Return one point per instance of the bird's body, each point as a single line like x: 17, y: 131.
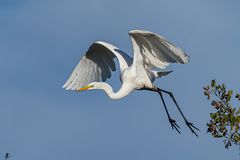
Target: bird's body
x: 130, y: 81
x: 151, y: 53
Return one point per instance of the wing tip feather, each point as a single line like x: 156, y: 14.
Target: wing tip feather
x: 66, y: 86
x: 186, y: 58
x: 137, y: 31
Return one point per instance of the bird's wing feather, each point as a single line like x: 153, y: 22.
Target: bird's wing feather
x: 154, y: 50
x: 96, y: 65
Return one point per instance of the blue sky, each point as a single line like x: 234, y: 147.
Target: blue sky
x: 41, y: 41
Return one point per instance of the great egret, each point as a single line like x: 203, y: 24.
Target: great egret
x: 150, y: 52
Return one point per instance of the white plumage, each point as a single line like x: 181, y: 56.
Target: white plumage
x: 151, y: 53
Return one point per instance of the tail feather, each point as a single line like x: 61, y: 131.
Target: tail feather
x: 161, y: 73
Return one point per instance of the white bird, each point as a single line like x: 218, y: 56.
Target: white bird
x: 150, y: 52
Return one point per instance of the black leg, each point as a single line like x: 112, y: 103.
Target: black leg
x: 172, y: 121
x: 190, y: 125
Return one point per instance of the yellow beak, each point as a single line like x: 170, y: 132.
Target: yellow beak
x: 85, y: 88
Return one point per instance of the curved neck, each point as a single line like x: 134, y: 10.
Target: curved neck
x: 122, y: 92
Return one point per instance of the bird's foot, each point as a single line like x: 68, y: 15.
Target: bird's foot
x: 192, y: 127
x: 174, y: 125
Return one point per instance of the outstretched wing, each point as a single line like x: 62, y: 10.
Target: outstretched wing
x: 96, y: 65
x: 154, y: 50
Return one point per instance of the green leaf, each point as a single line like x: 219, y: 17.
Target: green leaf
x: 217, y: 119
x: 230, y: 92
x: 223, y: 86
x: 237, y: 95
x: 236, y: 138
x: 238, y: 111
x: 238, y: 119
x: 212, y: 115
x: 213, y: 83
x: 218, y: 136
x: 231, y: 119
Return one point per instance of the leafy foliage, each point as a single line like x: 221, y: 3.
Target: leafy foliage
x: 225, y: 122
